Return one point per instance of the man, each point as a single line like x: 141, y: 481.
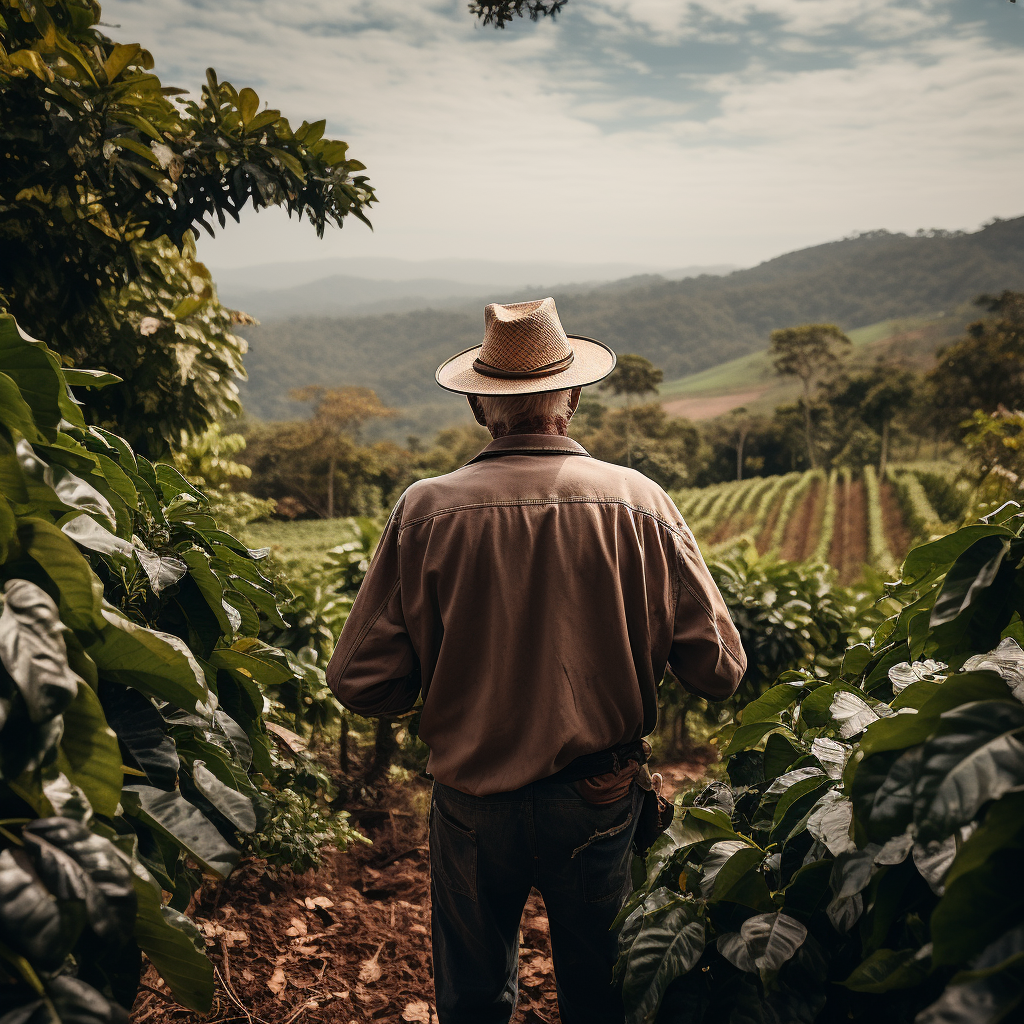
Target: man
x: 534, y: 597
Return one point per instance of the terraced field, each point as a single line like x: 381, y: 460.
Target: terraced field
x: 845, y: 518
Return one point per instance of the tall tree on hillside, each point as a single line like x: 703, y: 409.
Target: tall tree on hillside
x: 807, y: 352
x: 984, y: 370
x: 104, y: 182
x: 338, y: 416
x: 633, y: 376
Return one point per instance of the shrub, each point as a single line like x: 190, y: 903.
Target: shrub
x: 878, y: 549
x: 863, y: 862
x: 133, y: 750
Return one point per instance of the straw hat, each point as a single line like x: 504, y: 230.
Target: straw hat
x: 524, y: 352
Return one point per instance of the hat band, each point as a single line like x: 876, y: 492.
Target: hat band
x: 542, y: 371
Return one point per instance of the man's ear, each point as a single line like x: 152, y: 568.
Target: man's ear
x: 574, y: 400
x: 478, y: 409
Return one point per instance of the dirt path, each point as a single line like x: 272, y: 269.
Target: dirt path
x: 897, y: 535
x: 802, y: 529
x: 350, y: 942
x: 764, y: 538
x: 849, y: 549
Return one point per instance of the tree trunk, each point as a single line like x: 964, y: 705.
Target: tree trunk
x: 739, y: 455
x: 807, y: 425
x: 343, y: 744
x: 385, y: 747
x: 330, y: 488
x: 884, y: 457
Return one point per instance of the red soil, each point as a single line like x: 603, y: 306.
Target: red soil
x: 801, y: 534
x: 849, y: 550
x: 897, y: 535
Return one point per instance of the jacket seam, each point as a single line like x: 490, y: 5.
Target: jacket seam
x: 367, y: 626
x: 519, y: 502
x: 709, y: 611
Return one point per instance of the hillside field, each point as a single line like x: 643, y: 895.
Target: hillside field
x: 846, y: 519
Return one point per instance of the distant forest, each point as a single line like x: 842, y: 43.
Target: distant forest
x: 681, y: 326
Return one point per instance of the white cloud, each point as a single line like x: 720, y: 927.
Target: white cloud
x: 653, y: 131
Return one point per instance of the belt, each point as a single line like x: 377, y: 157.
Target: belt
x: 600, y: 762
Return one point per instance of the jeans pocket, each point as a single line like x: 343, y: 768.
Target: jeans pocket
x: 453, y: 853
x: 604, y: 859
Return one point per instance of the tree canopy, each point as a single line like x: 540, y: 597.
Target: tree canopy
x: 107, y: 177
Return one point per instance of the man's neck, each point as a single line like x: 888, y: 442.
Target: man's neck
x: 536, y: 425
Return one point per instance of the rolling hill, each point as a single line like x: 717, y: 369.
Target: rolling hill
x: 684, y: 326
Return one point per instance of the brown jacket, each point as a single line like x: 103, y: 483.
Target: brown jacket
x: 534, y: 597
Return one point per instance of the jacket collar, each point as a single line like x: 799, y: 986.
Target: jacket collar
x: 531, y: 444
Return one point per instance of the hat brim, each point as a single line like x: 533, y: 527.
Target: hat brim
x: 592, y: 361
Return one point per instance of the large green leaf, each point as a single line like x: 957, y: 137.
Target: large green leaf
x: 32, y: 651
x: 71, y: 1000
x: 33, y: 369
x: 1003, y: 828
x: 209, y: 586
x: 771, y: 703
x: 888, y: 969
x: 883, y: 792
x: 235, y: 806
x: 977, y: 907
x: 967, y: 579
x: 977, y: 756
x: 669, y: 943
x: 175, y: 946
x: 946, y: 550
x: 185, y: 824
x: 989, y: 991
x: 764, y: 942
x: 739, y: 880
x: 140, y: 728
x: 30, y: 918
x: 79, y: 591
x: 90, y: 755
x: 156, y: 663
x: 77, y: 864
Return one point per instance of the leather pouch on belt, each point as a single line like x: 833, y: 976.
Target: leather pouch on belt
x: 656, y: 813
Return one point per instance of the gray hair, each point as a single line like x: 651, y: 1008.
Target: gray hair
x: 511, y: 409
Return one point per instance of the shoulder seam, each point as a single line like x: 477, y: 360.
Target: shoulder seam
x: 521, y: 502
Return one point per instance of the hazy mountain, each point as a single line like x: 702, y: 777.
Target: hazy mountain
x: 342, y: 287
x: 683, y: 326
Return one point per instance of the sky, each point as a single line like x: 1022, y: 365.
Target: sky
x: 664, y: 133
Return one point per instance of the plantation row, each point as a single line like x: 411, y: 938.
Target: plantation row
x: 842, y: 518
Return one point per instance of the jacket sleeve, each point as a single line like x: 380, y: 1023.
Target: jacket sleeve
x: 374, y: 669
x: 707, y: 656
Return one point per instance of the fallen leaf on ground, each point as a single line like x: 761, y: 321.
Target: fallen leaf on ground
x: 419, y: 1012
x: 247, y: 975
x: 318, y: 901
x: 298, y: 927
x: 278, y: 983
x: 369, y: 971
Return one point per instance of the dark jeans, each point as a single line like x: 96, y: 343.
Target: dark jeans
x: 485, y: 855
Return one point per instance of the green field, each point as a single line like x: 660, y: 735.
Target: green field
x: 304, y: 541
x: 754, y: 372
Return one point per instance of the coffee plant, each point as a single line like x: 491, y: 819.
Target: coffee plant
x: 134, y: 756
x: 863, y: 863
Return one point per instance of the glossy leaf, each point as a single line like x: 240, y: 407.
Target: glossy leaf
x: 140, y: 728
x: 669, y: 943
x: 976, y: 757
x: 90, y: 755
x: 235, y: 806
x: 175, y: 946
x: 764, y: 942
x: 185, y: 824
